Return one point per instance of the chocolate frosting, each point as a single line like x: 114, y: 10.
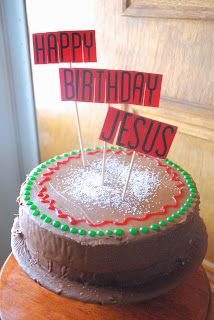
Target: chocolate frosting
x: 124, y: 261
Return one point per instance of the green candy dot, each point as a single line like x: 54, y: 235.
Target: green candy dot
x: 35, y: 173
x: 66, y: 154
x: 169, y: 162
x: 162, y: 223
x: 28, y: 188
x: 97, y: 148
x: 189, y: 200
x: 43, y: 166
x: 32, y: 178
x: 92, y: 233
x: 112, y: 148
x: 170, y: 219
x: 120, y: 148
x: 180, y: 211
x: 58, y: 157
x: 174, y: 165
x: 192, y: 195
x: 192, y: 190
x: 187, y: 205
x: 185, y: 173
x: 73, y: 230
x: 78, y: 151
x: 155, y: 227
x: 175, y: 215
x: 100, y: 233
x: 144, y: 229
x: 29, y: 182
x: 38, y: 169
x: 26, y: 198
x: 43, y: 216
x: 27, y: 193
x: 82, y: 232
x: 109, y: 232
x: 52, y: 160
x: 56, y: 224
x: 118, y: 232
x: 36, y: 213
x: 48, y: 162
x: 33, y: 207
x: 48, y: 219
x: 64, y: 227
x: 29, y: 203
x: 88, y: 149
x: 73, y: 153
x: 133, y: 231
x: 179, y: 169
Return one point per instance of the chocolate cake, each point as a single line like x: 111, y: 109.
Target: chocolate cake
x: 78, y: 238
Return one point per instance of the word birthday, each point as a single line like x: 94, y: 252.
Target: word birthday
x: 110, y: 86
x: 138, y: 133
x: 64, y: 46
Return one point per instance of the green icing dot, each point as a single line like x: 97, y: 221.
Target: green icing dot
x: 118, y: 232
x: 28, y: 188
x: 170, y: 219
x: 174, y: 165
x: 36, y: 213
x: 32, y: 178
x: 29, y: 203
x: 109, y: 232
x: 189, y: 200
x: 48, y: 162
x: 43, y: 216
x: 100, y: 233
x: 192, y: 195
x: 26, y: 198
x: 35, y: 173
x: 43, y: 165
x: 92, y: 233
x: 78, y: 151
x: 64, y: 227
x: 175, y: 215
x: 73, y: 230
x: 133, y: 231
x: 169, y: 162
x: 97, y: 148
x: 120, y: 148
x: 29, y: 182
x: 66, y: 154
x: 52, y: 160
x: 88, y: 149
x: 33, y: 207
x: 144, y: 229
x: 58, y: 157
x: 192, y: 189
x: 179, y: 169
x: 187, y: 205
x: 162, y: 223
x: 82, y: 232
x: 155, y: 227
x: 112, y: 147
x: 38, y: 169
x: 56, y: 224
x: 48, y: 219
x: 73, y: 153
x: 27, y: 193
x: 180, y: 211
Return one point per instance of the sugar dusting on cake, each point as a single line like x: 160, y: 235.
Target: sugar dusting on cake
x: 83, y: 186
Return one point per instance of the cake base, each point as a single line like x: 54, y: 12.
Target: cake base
x: 92, y: 294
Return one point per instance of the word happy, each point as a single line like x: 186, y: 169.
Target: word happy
x: 64, y: 46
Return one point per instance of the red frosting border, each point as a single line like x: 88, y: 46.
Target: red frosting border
x: 51, y: 202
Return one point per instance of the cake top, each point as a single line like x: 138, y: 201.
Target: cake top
x: 65, y: 197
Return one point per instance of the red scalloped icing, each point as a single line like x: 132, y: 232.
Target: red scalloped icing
x: 51, y: 202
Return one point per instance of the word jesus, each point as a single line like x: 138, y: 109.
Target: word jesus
x: 64, y: 46
x: 138, y: 133
x: 110, y: 86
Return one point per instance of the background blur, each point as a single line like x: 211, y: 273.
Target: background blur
x: 181, y: 49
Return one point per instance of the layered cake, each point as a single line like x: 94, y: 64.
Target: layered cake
x: 78, y: 238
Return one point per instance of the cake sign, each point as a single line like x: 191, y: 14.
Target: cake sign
x: 110, y: 86
x: 138, y: 133
x: 64, y: 46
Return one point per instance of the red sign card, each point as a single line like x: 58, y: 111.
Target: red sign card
x: 64, y: 46
x: 138, y: 133
x: 110, y: 86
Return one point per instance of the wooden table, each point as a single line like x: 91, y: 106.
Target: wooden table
x: 23, y: 299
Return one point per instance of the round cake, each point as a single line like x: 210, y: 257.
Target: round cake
x: 78, y: 238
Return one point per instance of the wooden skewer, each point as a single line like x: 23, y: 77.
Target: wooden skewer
x: 79, y: 134
x: 104, y: 162
x: 129, y: 174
